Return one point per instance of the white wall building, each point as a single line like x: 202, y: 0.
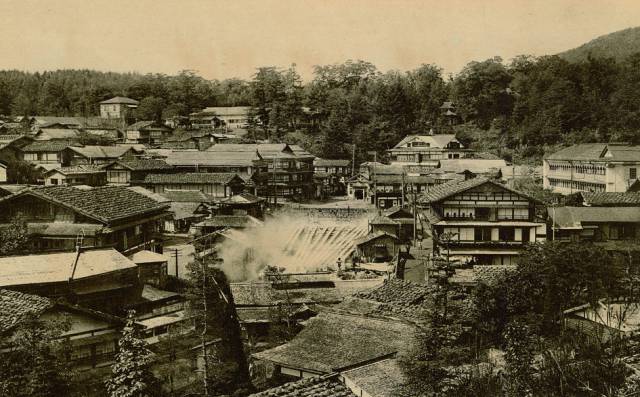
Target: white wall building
x: 592, y: 167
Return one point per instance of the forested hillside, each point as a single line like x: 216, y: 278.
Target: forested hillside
x: 517, y: 109
x: 618, y: 45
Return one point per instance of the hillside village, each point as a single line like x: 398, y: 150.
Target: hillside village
x: 335, y: 272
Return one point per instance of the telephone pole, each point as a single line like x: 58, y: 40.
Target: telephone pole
x: 175, y: 256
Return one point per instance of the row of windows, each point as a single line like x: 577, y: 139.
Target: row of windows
x: 578, y: 185
x: 488, y: 234
x: 594, y: 169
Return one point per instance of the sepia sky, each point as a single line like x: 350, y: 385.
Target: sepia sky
x: 222, y: 39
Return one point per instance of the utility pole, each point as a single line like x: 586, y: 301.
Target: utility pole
x: 203, y: 335
x: 415, y: 218
x: 275, y: 185
x: 353, y: 160
x: 175, y: 256
x: 375, y: 180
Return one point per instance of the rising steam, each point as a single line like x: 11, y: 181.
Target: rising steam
x: 297, y: 243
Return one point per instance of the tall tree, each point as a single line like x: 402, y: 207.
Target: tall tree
x: 131, y: 373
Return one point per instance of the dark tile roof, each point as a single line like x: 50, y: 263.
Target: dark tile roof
x: 381, y: 379
x: 106, y: 203
x: 103, y: 152
x: 45, y: 146
x: 611, y: 198
x: 14, y: 306
x: 243, y: 198
x: 331, y: 341
x: 144, y: 164
x: 372, y: 236
x: 309, y: 387
x: 444, y: 190
x: 192, y: 178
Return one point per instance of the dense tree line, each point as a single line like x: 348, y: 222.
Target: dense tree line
x: 517, y: 109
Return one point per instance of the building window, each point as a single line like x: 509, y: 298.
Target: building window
x: 633, y: 173
x: 507, y: 234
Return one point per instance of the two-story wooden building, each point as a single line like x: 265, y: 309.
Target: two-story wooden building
x: 481, y: 221
x: 216, y: 186
x: 133, y: 171
x: 61, y: 217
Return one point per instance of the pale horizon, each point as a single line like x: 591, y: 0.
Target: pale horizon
x: 220, y: 39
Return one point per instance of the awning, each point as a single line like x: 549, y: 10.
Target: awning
x: 472, y: 223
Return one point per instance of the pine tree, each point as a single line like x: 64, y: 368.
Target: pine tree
x: 131, y: 373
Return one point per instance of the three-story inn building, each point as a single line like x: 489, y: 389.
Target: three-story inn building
x: 481, y: 221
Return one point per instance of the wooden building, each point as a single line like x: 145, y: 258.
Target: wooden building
x: 376, y: 247
x: 93, y: 336
x: 147, y: 132
x: 109, y: 216
x: 216, y: 186
x: 479, y: 220
x: 89, y: 175
x: 95, y: 154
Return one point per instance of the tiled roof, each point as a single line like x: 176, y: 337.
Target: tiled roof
x: 184, y: 210
x: 60, y: 267
x: 14, y: 306
x: 266, y: 150
x: 309, y: 387
x: 263, y: 293
x: 330, y: 163
x: 45, y: 146
x: 106, y: 203
x: 192, y: 178
x: 491, y: 274
x: 193, y: 158
x: 146, y: 256
x: 144, y: 164
x: 611, y: 198
x: 382, y: 220
x: 120, y: 100
x: 230, y: 221
x: 185, y: 196
x: 381, y: 379
x: 51, y: 120
x: 79, y: 169
x: 332, y: 341
x: 573, y: 217
x: 139, y: 124
x: 444, y: 190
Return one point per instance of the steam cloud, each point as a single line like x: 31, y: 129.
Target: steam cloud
x: 296, y: 243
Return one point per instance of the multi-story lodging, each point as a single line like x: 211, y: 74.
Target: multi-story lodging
x: 592, y: 167
x: 482, y: 221
x: 427, y: 150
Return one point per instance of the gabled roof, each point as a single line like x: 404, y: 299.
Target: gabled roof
x: 105, y: 204
x: 102, y: 152
x: 61, y: 266
x: 444, y: 190
x: 613, y: 199
x: 243, y: 198
x: 266, y: 150
x: 328, y: 386
x: 373, y: 236
x: 142, y: 164
x: 382, y: 220
x: 598, y: 151
x: 223, y: 178
x: 434, y: 141
x: 52, y: 120
x: 146, y: 256
x: 332, y: 341
x: 380, y: 379
x: 120, y: 100
x: 80, y: 169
